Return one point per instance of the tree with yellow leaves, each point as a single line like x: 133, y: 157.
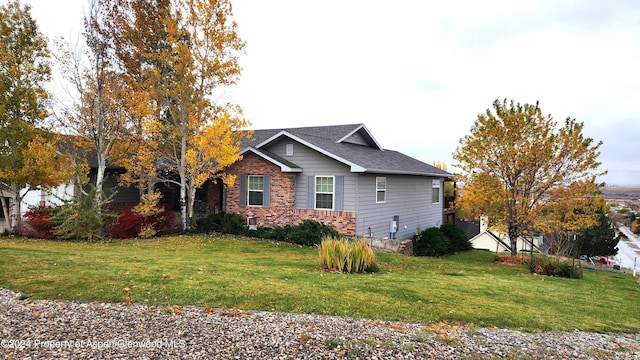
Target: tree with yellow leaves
x: 29, y: 158
x: 97, y: 109
x: 569, y: 212
x: 516, y: 163
x: 179, y: 52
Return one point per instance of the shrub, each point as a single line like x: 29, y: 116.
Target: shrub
x: 309, y: 232
x: 37, y: 223
x: 431, y: 242
x: 346, y: 256
x: 279, y: 233
x: 439, y: 241
x: 458, y: 239
x: 82, y: 217
x: 126, y: 226
x: 148, y: 210
x: 145, y: 220
x: 546, y: 265
x: 227, y: 223
x: 508, y: 259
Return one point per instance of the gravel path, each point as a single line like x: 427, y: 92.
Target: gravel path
x: 69, y: 330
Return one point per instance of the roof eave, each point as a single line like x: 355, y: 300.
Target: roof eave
x: 402, y: 172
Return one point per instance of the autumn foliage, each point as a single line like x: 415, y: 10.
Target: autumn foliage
x: 147, y: 219
x: 37, y: 223
x: 130, y: 224
x: 526, y: 173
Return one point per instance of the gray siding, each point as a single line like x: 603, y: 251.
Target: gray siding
x: 408, y: 197
x: 314, y: 163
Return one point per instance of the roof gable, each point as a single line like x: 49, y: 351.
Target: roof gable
x: 360, y: 136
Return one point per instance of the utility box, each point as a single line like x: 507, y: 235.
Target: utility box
x: 393, y: 226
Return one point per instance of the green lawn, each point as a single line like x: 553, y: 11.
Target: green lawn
x: 259, y: 275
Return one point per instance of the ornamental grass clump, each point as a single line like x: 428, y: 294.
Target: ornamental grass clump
x: 347, y: 256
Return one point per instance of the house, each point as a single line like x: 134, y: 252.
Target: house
x: 498, y: 242
x: 337, y: 175
x: 120, y: 197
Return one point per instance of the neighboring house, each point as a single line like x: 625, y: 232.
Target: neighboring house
x: 496, y: 241
x: 337, y: 175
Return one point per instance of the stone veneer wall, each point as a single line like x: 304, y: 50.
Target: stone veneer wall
x: 282, y: 210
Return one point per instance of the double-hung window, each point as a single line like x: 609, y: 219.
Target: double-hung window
x: 381, y: 189
x: 435, y: 191
x: 256, y: 190
x: 324, y: 192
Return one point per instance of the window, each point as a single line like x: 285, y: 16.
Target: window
x: 289, y: 150
x: 256, y: 190
x: 381, y: 189
x: 324, y: 192
x: 435, y: 191
x: 201, y: 192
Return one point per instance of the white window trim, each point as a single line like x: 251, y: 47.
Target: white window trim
x: 315, y: 192
x: 289, y: 150
x: 381, y: 190
x: 249, y: 190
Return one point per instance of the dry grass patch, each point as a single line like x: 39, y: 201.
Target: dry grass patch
x: 510, y: 260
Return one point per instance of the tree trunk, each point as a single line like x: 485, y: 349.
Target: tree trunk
x: 5, y: 211
x: 14, y: 221
x: 183, y: 169
x: 192, y: 196
x: 183, y: 202
x: 100, y: 177
x: 513, y: 239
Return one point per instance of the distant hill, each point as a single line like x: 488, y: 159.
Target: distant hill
x: 628, y: 192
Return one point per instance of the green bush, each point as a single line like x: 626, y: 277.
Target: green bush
x: 347, y: 256
x: 309, y: 232
x: 546, y: 265
x: 439, y: 241
x: 431, y: 242
x: 459, y: 241
x: 82, y: 217
x: 227, y: 223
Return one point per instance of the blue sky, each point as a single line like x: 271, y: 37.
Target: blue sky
x: 417, y: 73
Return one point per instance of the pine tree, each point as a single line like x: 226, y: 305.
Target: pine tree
x: 599, y: 239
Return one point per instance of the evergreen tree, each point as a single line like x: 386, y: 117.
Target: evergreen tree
x: 599, y: 239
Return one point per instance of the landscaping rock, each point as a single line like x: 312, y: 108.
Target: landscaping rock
x: 59, y: 329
